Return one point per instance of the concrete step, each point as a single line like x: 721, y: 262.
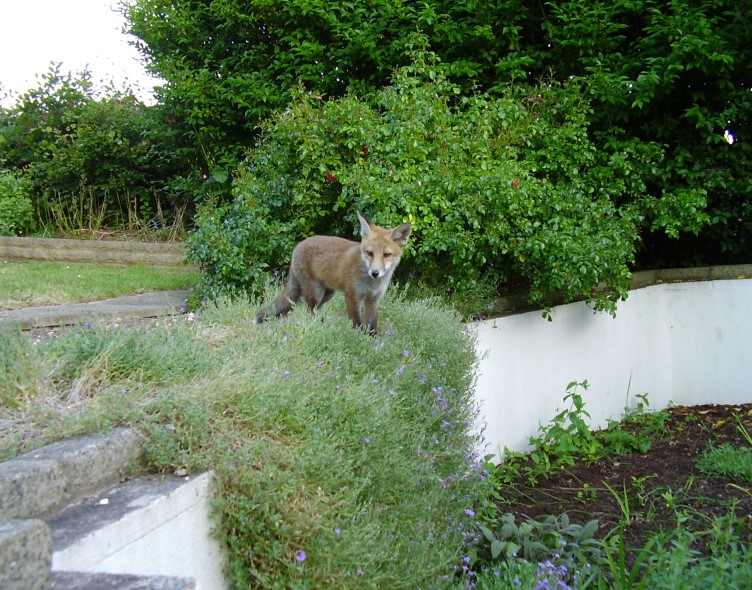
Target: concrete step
x: 85, y: 581
x: 25, y: 555
x: 146, y: 526
x: 39, y: 482
x: 66, y: 508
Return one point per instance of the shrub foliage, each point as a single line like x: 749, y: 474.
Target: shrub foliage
x: 496, y: 187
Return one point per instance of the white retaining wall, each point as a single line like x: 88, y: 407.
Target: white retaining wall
x: 681, y: 343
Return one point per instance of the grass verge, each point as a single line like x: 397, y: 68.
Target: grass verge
x: 342, y: 461
x: 26, y: 284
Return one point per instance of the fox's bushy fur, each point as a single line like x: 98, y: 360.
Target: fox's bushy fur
x: 322, y: 265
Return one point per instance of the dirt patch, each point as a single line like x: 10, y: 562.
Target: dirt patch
x: 663, y: 487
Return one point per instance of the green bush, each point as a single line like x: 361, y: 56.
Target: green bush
x: 16, y: 207
x: 91, y: 160
x: 499, y: 188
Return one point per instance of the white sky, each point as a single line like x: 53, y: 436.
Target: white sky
x: 78, y: 33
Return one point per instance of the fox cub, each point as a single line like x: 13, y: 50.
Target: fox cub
x: 322, y: 265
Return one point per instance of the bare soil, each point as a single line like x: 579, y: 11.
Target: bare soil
x: 660, y: 484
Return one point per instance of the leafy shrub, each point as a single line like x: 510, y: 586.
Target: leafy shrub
x: 495, y: 188
x: 16, y: 208
x: 88, y: 156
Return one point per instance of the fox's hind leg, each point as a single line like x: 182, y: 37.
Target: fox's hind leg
x: 284, y: 301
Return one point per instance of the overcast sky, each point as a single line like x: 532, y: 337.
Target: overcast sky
x: 79, y: 33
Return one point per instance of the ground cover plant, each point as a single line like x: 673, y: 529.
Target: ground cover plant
x: 657, y: 500
x: 26, y: 284
x: 342, y: 461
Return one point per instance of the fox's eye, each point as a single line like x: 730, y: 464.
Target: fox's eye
x: 369, y: 253
x: 387, y: 254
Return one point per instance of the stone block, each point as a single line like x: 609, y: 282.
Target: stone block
x: 25, y: 555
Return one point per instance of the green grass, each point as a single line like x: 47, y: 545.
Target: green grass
x: 727, y: 461
x: 342, y: 461
x: 27, y: 284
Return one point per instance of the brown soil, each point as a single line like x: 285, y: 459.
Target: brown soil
x: 660, y: 484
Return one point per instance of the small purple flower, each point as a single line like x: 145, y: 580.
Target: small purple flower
x: 389, y: 332
x: 89, y: 325
x: 286, y: 375
x: 366, y: 440
x: 392, y: 392
x: 300, y: 556
x: 469, y: 512
x: 337, y: 532
x: 405, y: 353
x: 360, y: 572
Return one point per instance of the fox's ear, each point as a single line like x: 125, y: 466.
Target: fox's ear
x: 365, y: 225
x: 401, y: 233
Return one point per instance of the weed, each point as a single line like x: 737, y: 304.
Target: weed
x: 727, y: 461
x: 19, y: 380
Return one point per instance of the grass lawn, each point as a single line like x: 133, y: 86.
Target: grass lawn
x: 26, y: 284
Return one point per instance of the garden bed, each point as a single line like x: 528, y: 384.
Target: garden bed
x: 653, y: 491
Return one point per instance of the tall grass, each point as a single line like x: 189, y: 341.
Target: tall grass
x: 19, y: 377
x: 342, y: 461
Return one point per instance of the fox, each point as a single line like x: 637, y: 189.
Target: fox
x: 323, y: 265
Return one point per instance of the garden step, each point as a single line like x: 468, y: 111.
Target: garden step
x: 88, y: 581
x: 157, y: 525
x: 36, y: 483
x: 25, y: 555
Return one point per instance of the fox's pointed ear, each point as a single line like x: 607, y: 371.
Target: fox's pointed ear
x: 365, y: 225
x: 401, y: 233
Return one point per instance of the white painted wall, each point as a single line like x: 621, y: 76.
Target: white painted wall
x: 681, y: 343
x: 164, y: 535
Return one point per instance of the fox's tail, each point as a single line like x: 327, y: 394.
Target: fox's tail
x: 284, y: 301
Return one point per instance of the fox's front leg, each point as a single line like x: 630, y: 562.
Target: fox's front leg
x: 372, y: 314
x: 353, y: 309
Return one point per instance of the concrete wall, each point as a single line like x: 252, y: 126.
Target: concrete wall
x: 91, y: 251
x: 683, y: 343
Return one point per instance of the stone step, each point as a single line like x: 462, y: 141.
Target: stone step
x: 66, y: 507
x: 39, y: 482
x: 25, y: 555
x: 147, y: 526
x: 87, y: 581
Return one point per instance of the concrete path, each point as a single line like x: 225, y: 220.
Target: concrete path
x: 145, y: 305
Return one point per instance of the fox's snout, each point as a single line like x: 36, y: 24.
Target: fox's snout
x: 377, y: 273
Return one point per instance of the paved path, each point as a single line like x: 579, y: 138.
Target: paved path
x: 145, y: 305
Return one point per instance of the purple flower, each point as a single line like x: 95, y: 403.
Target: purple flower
x: 337, y: 532
x: 300, y: 556
x: 469, y: 512
x: 405, y: 353
x: 89, y: 325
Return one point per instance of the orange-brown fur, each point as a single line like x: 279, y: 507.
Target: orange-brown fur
x: 322, y: 265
